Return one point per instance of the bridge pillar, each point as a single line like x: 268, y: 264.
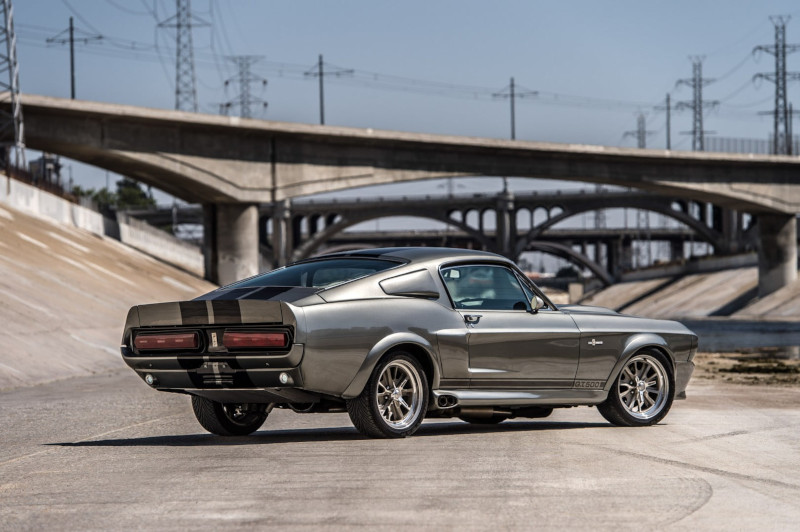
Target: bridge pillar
x: 676, y: 250
x: 230, y: 235
x: 281, y: 233
x: 506, y: 222
x: 777, y: 252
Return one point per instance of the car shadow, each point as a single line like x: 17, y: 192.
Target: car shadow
x: 324, y: 435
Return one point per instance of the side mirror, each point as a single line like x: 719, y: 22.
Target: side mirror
x: 537, y: 303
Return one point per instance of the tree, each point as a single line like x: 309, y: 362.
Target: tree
x: 130, y: 195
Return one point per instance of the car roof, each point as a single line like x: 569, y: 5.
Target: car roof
x: 417, y: 254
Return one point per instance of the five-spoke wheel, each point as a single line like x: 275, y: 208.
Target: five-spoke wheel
x: 394, y: 402
x: 642, y: 393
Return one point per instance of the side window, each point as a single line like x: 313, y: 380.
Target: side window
x: 485, y: 287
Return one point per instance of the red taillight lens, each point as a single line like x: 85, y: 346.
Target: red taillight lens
x: 239, y: 340
x: 166, y: 341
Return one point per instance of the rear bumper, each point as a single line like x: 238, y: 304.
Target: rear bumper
x: 193, y: 373
x: 683, y: 372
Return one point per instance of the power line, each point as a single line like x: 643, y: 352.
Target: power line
x: 68, y: 37
x: 512, y: 94
x: 320, y: 73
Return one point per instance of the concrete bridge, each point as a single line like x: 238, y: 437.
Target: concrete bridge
x: 231, y: 165
x: 479, y: 221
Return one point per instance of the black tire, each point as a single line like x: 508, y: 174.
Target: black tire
x: 229, y: 419
x: 371, y: 410
x: 491, y: 420
x: 623, y: 407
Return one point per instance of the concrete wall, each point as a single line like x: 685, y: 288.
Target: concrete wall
x: 134, y: 233
x: 146, y: 238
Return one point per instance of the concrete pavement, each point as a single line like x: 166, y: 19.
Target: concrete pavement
x: 106, y: 452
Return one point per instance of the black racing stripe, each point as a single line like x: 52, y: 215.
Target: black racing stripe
x: 268, y: 292
x: 194, y: 312
x: 235, y: 293
x: 226, y: 312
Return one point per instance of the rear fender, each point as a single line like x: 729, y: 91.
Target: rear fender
x: 633, y: 345
x: 386, y: 344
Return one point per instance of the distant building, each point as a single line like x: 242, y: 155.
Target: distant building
x: 46, y: 169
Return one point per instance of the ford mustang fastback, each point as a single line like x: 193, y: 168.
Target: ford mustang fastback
x: 395, y: 335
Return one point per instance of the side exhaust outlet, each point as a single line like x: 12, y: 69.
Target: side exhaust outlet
x: 446, y: 401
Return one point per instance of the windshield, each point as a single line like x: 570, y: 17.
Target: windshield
x: 318, y: 273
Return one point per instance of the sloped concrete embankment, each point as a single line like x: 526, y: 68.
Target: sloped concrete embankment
x: 132, y: 232
x: 65, y: 290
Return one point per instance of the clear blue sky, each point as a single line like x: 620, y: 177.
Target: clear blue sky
x: 615, y: 57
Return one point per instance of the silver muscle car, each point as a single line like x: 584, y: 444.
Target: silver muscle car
x: 399, y: 334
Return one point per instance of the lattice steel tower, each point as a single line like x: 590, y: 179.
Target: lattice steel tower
x: 696, y: 82
x: 782, y: 142
x: 244, y: 80
x: 12, y: 128
x: 185, y: 79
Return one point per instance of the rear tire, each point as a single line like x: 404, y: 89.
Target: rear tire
x: 642, y: 393
x: 394, y: 401
x: 229, y: 419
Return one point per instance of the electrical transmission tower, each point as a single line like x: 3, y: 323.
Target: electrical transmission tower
x: 696, y: 82
x: 668, y: 108
x: 640, y: 133
x: 185, y: 79
x: 782, y: 141
x: 244, y: 79
x: 320, y: 72
x: 12, y: 129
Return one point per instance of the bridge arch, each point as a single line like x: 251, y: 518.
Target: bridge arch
x: 566, y: 252
x: 307, y: 248
x: 706, y: 233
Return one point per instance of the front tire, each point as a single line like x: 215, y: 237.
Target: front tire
x: 642, y: 393
x: 229, y: 419
x: 394, y: 401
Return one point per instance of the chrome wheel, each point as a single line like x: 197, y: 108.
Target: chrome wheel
x: 643, y: 387
x: 398, y: 394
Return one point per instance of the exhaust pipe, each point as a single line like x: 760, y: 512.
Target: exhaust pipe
x: 446, y: 401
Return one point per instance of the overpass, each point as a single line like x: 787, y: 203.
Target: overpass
x: 231, y: 165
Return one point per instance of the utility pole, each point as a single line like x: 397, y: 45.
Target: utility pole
x: 696, y: 82
x: 640, y: 132
x: 512, y: 94
x: 668, y: 108
x: 244, y: 79
x: 782, y: 141
x: 185, y: 79
x: 68, y: 37
x: 11, y: 124
x: 319, y: 71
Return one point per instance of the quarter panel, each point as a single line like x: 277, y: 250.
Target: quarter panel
x: 341, y: 337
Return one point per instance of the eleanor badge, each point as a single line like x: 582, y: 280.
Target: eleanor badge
x: 214, y: 340
x: 594, y: 342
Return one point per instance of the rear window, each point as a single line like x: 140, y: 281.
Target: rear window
x: 318, y: 273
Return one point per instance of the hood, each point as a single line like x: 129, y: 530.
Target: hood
x: 586, y: 309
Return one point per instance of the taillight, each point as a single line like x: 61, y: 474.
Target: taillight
x: 240, y: 340
x: 166, y: 341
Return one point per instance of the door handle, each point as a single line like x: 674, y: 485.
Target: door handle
x: 472, y: 319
